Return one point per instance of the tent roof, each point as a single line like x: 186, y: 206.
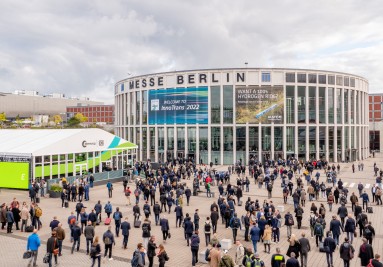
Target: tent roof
x: 60, y: 141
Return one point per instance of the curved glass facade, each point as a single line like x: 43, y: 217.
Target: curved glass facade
x: 228, y: 115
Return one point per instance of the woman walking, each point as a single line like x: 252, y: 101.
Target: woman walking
x: 267, y: 238
x: 162, y: 256
x: 95, y: 252
x: 151, y: 250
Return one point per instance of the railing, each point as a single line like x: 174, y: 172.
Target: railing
x: 97, y: 177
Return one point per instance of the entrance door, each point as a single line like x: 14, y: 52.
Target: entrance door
x: 81, y: 169
x: 180, y: 154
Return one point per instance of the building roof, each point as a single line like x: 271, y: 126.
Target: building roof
x: 59, y: 141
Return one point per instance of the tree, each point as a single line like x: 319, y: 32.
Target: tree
x: 3, y: 118
x: 73, y: 122
x: 81, y: 117
x: 57, y: 119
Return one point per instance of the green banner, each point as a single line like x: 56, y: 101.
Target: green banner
x: 14, y: 175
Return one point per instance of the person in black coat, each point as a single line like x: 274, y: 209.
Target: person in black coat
x: 164, y: 227
x: 366, y: 253
x: 335, y: 228
x: 187, y: 194
x: 125, y: 228
x: 151, y: 252
x: 292, y: 262
x: 189, y: 228
x: 329, y: 245
x: 179, y: 215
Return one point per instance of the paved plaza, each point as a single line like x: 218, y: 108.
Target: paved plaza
x: 13, y: 245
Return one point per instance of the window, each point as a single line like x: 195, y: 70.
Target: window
x: 322, y: 79
x: 290, y: 139
x: 322, y: 104
x: 339, y: 80
x: 346, y: 81
x: 352, y: 82
x: 253, y: 139
x: 330, y: 107
x: 227, y: 104
x: 192, y: 139
x: 290, y: 77
x: 331, y: 79
x: 215, y: 93
x: 216, y: 145
x: 312, y: 104
x: 301, y: 104
x: 228, y: 145
x: 180, y: 138
x: 170, y: 137
x: 203, y: 144
x: 290, y: 104
x: 312, y: 78
x: 266, y: 138
x: 266, y: 77
x: 301, y: 77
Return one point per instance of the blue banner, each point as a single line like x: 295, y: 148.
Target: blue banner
x: 178, y: 105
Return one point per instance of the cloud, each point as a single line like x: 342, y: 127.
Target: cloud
x: 82, y: 48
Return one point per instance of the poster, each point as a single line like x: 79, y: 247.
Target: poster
x: 14, y: 175
x: 178, y: 105
x: 259, y: 104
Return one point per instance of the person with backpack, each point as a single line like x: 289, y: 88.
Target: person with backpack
x: 289, y: 222
x: 350, y: 228
x: 95, y: 252
x: 375, y: 262
x: 109, y: 241
x: 52, y: 248
x: 162, y: 256
x: 346, y: 252
x: 207, y: 230
x: 138, y: 259
x: 38, y: 212
x: 128, y: 192
x: 318, y: 232
x: 98, y: 210
x: 269, y: 189
x: 109, y: 185
x: 117, y: 215
x: 226, y: 260
x: 108, y: 209
x: 299, y: 215
x: 194, y: 246
x: 366, y: 253
x: 369, y: 232
x: 146, y: 228
x: 342, y: 213
x: 329, y: 246
x: 235, y: 223
x: 157, y: 211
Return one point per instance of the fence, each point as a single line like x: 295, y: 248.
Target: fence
x: 102, y: 176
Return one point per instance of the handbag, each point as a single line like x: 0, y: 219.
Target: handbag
x: 46, y: 258
x: 27, y: 254
x: 55, y: 250
x: 169, y: 235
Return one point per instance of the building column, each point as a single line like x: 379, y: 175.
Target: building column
x: 272, y: 142
x: 247, y: 158
x: 335, y: 144
x: 284, y: 145
x: 260, y: 156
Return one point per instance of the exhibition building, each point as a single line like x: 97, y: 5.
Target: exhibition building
x: 228, y: 115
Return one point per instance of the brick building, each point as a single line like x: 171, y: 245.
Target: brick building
x: 102, y: 114
x: 375, y: 121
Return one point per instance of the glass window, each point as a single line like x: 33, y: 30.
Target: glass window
x: 266, y: 77
x: 215, y: 100
x: 312, y: 104
x: 144, y: 143
x: 180, y: 138
x: 290, y: 104
x: 152, y: 143
x: 322, y: 79
x: 192, y: 140
x: 228, y: 104
x: 339, y: 142
x: 331, y: 143
x: 312, y: 142
x: 170, y: 138
x: 301, y: 77
x: 253, y: 139
x: 203, y: 145
x: 301, y: 104
x: 138, y: 103
x: 240, y: 143
x: 339, y: 104
x: 301, y: 143
x: 131, y: 121
x: 266, y: 138
x: 331, y: 79
x: 216, y: 145
x: 228, y: 145
x: 352, y: 102
x: 330, y: 105
x: 346, y: 81
x: 144, y: 107
x: 339, y: 80
x: 345, y: 101
x: 312, y: 78
x: 290, y: 140
x: 138, y: 140
x: 290, y: 77
x: 278, y: 139
x: 357, y: 96
x: 322, y: 141
x: 352, y: 82
x: 161, y: 139
x: 322, y: 105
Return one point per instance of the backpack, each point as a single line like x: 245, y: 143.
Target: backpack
x: 269, y: 187
x: 312, y: 221
x: 370, y: 264
x: 236, y: 223
x: 249, y: 260
x: 318, y: 229
x: 108, y: 208
x: 72, y: 221
x: 117, y: 216
x: 290, y: 220
x: 367, y: 232
x: 135, y: 258
x: 258, y: 263
x: 93, y: 251
x: 207, y: 227
x: 38, y: 212
x: 78, y: 207
x: 145, y: 228
x: 207, y: 255
x: 107, y: 241
x: 299, y: 213
x: 136, y: 193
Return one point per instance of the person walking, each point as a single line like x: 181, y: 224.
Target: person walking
x: 342, y: 213
x: 128, y: 192
x: 194, y: 246
x: 109, y: 241
x: 76, y: 235
x: 350, y: 228
x: 365, y: 200
x: 336, y: 227
x: 109, y: 185
x: 239, y: 253
x: 117, y: 215
x: 95, y: 252
x: 267, y: 238
x: 125, y: 228
x: 255, y: 235
x: 376, y: 261
x: 10, y: 220
x: 164, y: 228
x: 214, y: 216
x: 235, y: 223
x: 299, y: 215
x: 52, y: 248
x: 108, y: 209
x: 294, y: 246
x: 292, y: 262
x: 188, y: 228
x: 33, y: 245
x: 89, y: 235
x: 329, y: 246
x: 60, y: 233
x: 162, y: 256
x: 146, y: 228
x: 207, y: 229
x: 305, y: 249
x: 289, y: 222
x: 346, y: 252
x: 226, y: 260
x: 277, y: 259
x: 157, y: 211
x: 151, y: 251
x: 179, y: 215
x: 366, y: 253
x: 318, y: 232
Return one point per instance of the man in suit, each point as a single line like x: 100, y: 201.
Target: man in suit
x: 305, y: 248
x: 164, y: 227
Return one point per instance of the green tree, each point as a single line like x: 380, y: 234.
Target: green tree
x: 74, y: 122
x: 81, y: 117
x: 57, y: 119
x: 3, y: 119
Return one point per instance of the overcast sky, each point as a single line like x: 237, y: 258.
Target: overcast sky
x: 82, y: 48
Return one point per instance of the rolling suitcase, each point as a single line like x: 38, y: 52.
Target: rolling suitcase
x: 107, y: 221
x: 66, y: 204
x: 37, y: 200
x: 240, y: 203
x: 321, y: 247
x: 29, y: 229
x: 369, y: 210
x: 137, y: 224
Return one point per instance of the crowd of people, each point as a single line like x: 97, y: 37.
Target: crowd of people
x: 165, y: 190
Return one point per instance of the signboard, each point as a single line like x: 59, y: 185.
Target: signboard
x: 14, y: 175
x: 259, y: 104
x: 178, y: 105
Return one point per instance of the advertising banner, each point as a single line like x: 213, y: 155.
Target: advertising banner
x: 178, y: 105
x: 259, y: 104
x: 14, y: 175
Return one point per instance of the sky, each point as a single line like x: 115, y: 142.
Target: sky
x: 83, y: 47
